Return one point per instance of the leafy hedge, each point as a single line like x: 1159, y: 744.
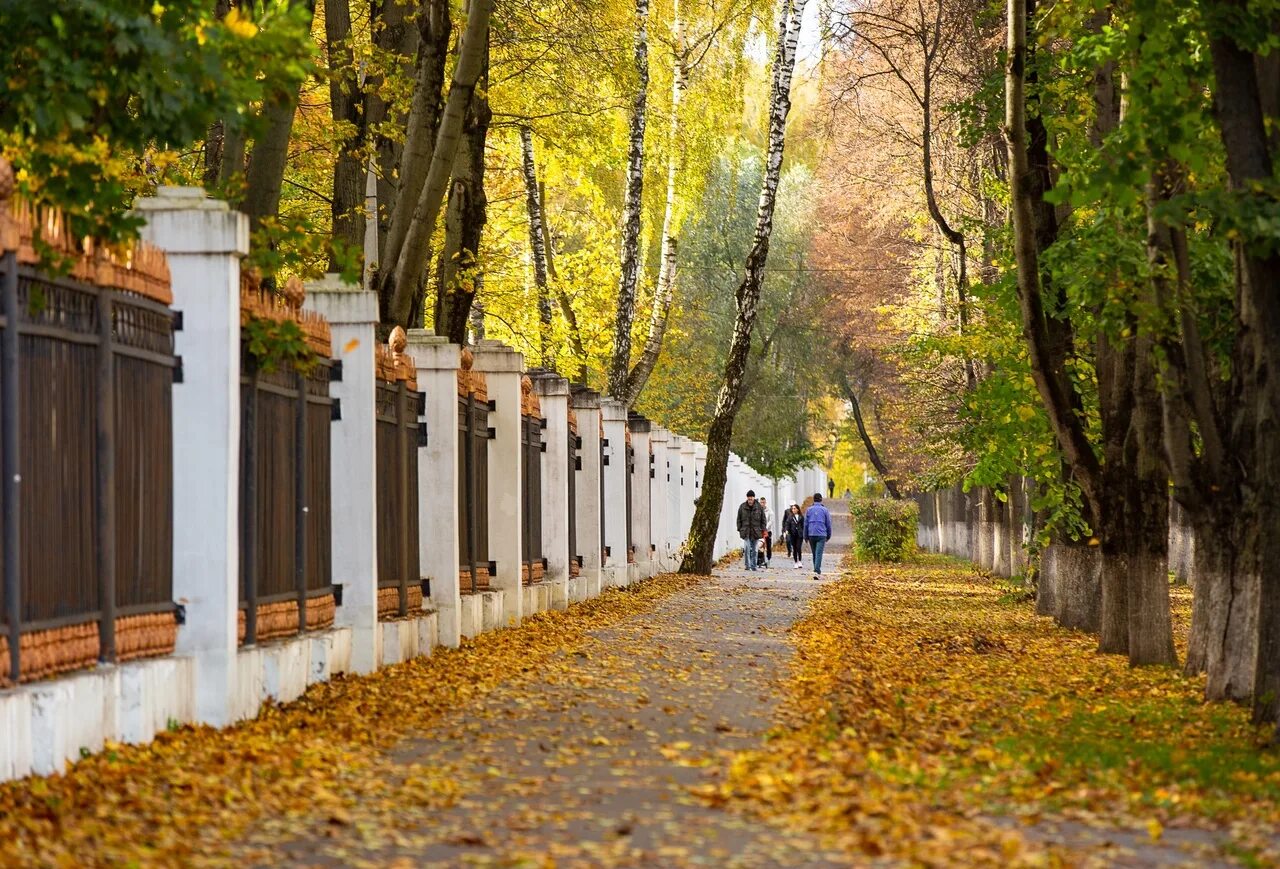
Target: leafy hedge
x: 884, y: 529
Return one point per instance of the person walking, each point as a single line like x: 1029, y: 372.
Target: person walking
x: 831, y: 489
x: 768, y: 531
x: 817, y: 527
x: 750, y: 527
x: 793, y: 533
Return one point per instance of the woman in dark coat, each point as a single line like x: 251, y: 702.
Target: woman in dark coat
x: 793, y: 533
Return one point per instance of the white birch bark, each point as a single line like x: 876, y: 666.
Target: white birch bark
x: 537, y: 246
x: 409, y: 263
x: 665, y: 291
x: 620, y: 364
x: 706, y: 517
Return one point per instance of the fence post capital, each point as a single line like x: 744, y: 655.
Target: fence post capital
x: 547, y: 383
x: 432, y: 352
x: 496, y: 358
x: 184, y: 220
x: 341, y: 303
x: 613, y: 410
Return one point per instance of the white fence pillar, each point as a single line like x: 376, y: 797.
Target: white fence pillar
x: 641, y: 493
x: 614, y: 421
x: 503, y: 368
x: 352, y: 313
x: 204, y: 241
x: 439, y: 553
x: 589, y: 515
x: 658, y: 439
x: 557, y: 477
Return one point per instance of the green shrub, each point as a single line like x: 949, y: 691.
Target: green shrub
x: 884, y: 529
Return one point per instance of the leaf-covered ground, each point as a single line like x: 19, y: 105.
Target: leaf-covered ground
x: 911, y: 715
x: 932, y: 717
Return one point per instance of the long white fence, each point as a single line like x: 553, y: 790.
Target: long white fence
x: 614, y: 494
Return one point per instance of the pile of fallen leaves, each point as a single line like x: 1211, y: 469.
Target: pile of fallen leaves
x: 930, y: 718
x: 192, y: 793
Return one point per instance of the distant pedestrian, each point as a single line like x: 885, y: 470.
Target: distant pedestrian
x: 768, y: 531
x: 750, y: 527
x: 793, y: 533
x: 831, y: 489
x: 817, y: 527
x: 847, y: 494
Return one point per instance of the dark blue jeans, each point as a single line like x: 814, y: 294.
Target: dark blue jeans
x: 817, y: 544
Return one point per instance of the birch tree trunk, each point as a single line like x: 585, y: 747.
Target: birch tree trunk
x: 665, y: 291
x: 537, y: 247
x: 349, y: 173
x: 706, y: 516
x: 632, y: 201
x: 460, y: 272
x: 402, y: 283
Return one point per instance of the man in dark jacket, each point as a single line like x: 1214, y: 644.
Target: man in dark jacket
x: 817, y: 527
x: 750, y: 527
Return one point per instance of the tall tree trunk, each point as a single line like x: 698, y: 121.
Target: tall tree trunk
x: 953, y: 236
x: 271, y: 150
x: 1241, y: 104
x: 460, y: 270
x: 215, y: 142
x: 402, y: 284
x: 706, y: 517
x: 397, y: 34
x: 1033, y: 228
x: 566, y: 307
x: 422, y: 127
x: 632, y: 204
x: 349, y: 172
x: 890, y: 484
x: 537, y: 247
x: 664, y: 293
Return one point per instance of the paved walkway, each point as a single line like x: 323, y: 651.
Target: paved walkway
x: 589, y: 760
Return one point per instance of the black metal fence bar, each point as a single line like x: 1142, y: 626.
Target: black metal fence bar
x: 575, y: 464
x: 285, y: 492
x: 473, y: 487
x: 11, y: 467
x: 401, y: 517
x: 301, y: 507
x: 397, y: 460
x: 531, y: 494
x: 86, y: 460
x: 631, y: 470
